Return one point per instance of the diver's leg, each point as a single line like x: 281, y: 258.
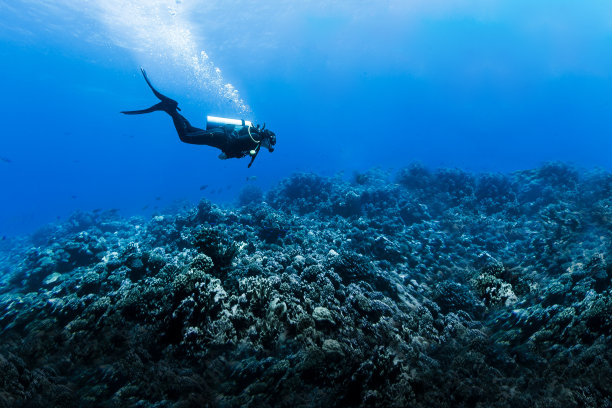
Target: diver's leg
x: 186, y: 132
x: 193, y: 135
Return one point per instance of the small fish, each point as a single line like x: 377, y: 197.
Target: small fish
x: 157, y: 198
x: 145, y: 207
x: 6, y: 159
x: 251, y: 178
x: 113, y: 210
x: 96, y: 210
x: 73, y: 197
x: 203, y: 187
x: 3, y: 237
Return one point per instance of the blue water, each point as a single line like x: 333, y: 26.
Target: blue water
x: 484, y: 86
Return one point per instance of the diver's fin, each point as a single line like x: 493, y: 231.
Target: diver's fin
x: 158, y: 107
x: 167, y: 105
x: 160, y: 96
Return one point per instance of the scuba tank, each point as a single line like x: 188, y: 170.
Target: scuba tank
x: 215, y: 122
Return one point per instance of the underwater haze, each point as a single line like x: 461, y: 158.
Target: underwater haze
x: 432, y: 229
x: 479, y: 85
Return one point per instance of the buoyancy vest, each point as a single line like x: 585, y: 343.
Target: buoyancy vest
x: 241, y: 140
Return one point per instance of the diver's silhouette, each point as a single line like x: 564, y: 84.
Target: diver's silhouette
x: 235, y: 138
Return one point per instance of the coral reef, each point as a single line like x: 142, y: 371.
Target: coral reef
x: 427, y: 288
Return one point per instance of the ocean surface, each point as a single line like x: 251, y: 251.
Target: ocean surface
x: 434, y: 227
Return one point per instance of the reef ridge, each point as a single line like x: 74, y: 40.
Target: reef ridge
x: 416, y: 289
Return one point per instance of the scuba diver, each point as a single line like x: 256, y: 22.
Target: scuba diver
x: 236, y: 138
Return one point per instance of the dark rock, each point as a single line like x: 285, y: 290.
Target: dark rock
x: 434, y: 288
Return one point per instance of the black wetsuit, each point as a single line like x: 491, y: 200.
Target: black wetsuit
x: 235, y: 144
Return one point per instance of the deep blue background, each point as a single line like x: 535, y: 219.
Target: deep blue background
x: 483, y: 89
